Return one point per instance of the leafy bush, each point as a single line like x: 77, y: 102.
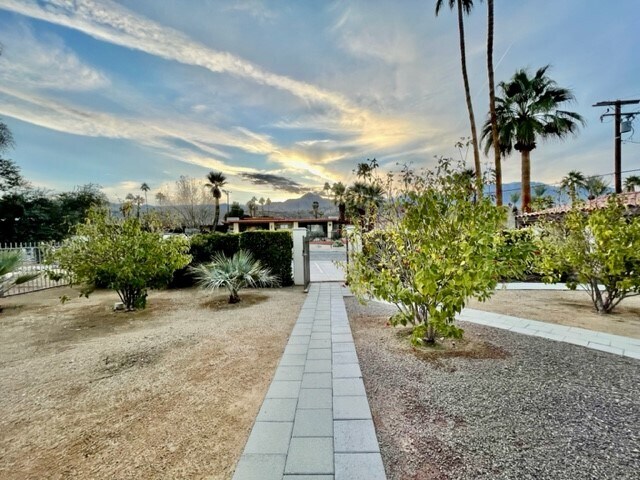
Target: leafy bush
x: 273, y: 250
x: 436, y: 246
x: 122, y: 255
x: 234, y: 273
x: 598, y: 251
x: 517, y: 254
x: 205, y: 246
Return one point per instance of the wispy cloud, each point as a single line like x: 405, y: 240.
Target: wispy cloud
x: 44, y: 64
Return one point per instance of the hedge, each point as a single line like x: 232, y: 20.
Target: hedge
x: 273, y: 249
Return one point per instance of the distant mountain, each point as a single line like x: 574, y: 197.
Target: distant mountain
x: 302, y: 207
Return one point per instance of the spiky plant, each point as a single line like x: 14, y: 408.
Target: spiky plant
x: 9, y: 263
x: 234, y: 274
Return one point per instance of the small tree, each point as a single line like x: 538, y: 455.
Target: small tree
x: 436, y: 247
x: 597, y: 251
x: 234, y: 274
x: 121, y: 255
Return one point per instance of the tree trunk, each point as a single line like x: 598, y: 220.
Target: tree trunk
x: 526, y: 180
x: 467, y: 91
x: 492, y: 106
x: 216, y: 217
x: 341, y: 215
x: 234, y: 298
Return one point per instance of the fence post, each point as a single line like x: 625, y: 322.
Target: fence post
x: 298, y: 265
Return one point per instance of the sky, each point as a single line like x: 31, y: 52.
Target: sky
x: 283, y: 96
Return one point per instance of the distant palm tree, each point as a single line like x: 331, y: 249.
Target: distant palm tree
x: 261, y: 202
x: 573, y: 183
x: 596, y: 187
x: 161, y: 198
x: 138, y: 200
x: 314, y: 208
x: 464, y: 7
x: 514, y: 198
x: 268, y: 204
x: 145, y: 188
x: 527, y: 111
x: 631, y: 182
x: 539, y: 190
x: 216, y: 180
x: 493, y: 117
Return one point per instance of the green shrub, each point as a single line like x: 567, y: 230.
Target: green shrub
x: 120, y: 253
x: 273, y: 249
x: 234, y: 273
x: 204, y: 247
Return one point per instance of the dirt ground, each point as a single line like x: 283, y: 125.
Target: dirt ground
x: 168, y: 392
x: 571, y: 308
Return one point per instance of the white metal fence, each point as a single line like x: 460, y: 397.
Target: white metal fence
x: 32, y: 262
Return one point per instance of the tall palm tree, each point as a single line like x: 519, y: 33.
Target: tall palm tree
x: 528, y: 111
x: 573, y: 183
x: 493, y: 117
x: 268, y: 204
x: 261, y: 202
x: 216, y: 180
x: 631, y: 182
x: 464, y: 7
x: 145, y: 188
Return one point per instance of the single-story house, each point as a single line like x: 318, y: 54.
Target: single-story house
x: 323, y: 226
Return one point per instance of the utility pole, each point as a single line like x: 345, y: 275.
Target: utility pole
x: 617, y: 104
x: 228, y: 205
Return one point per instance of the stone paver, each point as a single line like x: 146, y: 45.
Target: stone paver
x: 315, y: 422
x: 605, y: 342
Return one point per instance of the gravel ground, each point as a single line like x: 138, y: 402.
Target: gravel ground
x: 505, y: 406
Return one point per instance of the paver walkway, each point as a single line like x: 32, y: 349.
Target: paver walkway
x: 315, y: 422
x: 619, y: 345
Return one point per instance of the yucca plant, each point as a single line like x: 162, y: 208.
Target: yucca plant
x: 9, y: 263
x: 234, y: 273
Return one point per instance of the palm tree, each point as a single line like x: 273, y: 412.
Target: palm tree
x: 161, y: 198
x: 464, y: 7
x: 596, y: 187
x: 145, y: 188
x: 234, y: 273
x: 339, y: 192
x: 539, y: 190
x: 138, y: 200
x: 363, y: 201
x: 631, y: 182
x: 493, y: 117
x: 268, y: 204
x: 514, y: 198
x: 528, y: 111
x: 261, y: 202
x: 216, y: 180
x: 573, y: 183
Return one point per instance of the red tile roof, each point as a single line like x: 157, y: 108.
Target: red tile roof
x: 630, y: 199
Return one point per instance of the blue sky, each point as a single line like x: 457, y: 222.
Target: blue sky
x: 120, y: 93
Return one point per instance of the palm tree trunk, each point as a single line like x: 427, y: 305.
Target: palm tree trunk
x: 216, y: 217
x: 492, y: 105
x: 526, y: 180
x: 467, y: 91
